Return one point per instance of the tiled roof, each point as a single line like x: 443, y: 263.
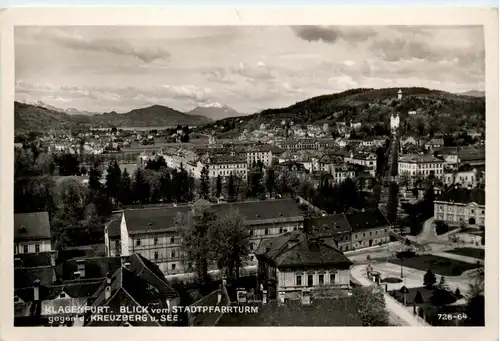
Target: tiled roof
x: 327, y: 225
x: 31, y: 260
x: 419, y: 158
x: 264, y: 210
x: 368, y: 219
x: 94, y: 267
x: 227, y: 159
x: 464, y: 196
x: 84, y: 251
x: 299, y: 249
x: 137, y: 286
x: 31, y: 226
x: 25, y: 277
x: 161, y: 218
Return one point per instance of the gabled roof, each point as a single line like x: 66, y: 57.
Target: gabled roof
x: 95, y: 268
x: 298, y: 249
x: 31, y: 226
x: 25, y: 277
x: 31, y: 260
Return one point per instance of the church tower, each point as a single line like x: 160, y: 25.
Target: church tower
x: 400, y: 94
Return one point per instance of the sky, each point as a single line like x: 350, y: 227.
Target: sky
x: 249, y: 68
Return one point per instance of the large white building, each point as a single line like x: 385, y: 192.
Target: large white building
x: 461, y: 205
x: 225, y: 165
x: 259, y: 153
x: 420, y: 166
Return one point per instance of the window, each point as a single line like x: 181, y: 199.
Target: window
x: 37, y: 248
x: 25, y: 248
x: 364, y: 234
x: 173, y: 254
x: 251, y: 232
x: 173, y: 266
x: 370, y: 234
x: 252, y: 246
x: 310, y: 281
x: 332, y: 278
x: 471, y: 211
x: 482, y: 212
x: 251, y: 258
x: 266, y: 232
x: 321, y: 279
x: 155, y: 240
x: 172, y: 240
x: 298, y: 280
x: 62, y: 295
x: 156, y: 255
x: 138, y: 242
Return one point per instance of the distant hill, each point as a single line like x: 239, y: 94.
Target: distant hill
x: 437, y: 111
x: 155, y: 115
x: 32, y: 117
x: 215, y: 111
x: 473, y: 93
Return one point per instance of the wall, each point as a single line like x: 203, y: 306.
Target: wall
x: 362, y: 239
x: 287, y: 280
x: 45, y: 246
x: 454, y: 213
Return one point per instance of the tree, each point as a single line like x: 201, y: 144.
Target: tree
x: 418, y: 298
x: 270, y: 181
x: 429, y: 279
x: 231, y: 188
x: 68, y: 164
x: 370, y: 304
x: 140, y: 188
x: 125, y: 191
x: 113, y: 179
x: 165, y: 185
x: 196, y: 238
x: 218, y: 186
x: 204, y: 183
x: 95, y: 175
x: 230, y: 245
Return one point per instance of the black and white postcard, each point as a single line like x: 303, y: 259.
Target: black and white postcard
x: 179, y: 168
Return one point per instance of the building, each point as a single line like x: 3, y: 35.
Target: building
x: 434, y: 144
x: 332, y: 229
x: 420, y: 166
x: 400, y: 94
x: 225, y: 165
x: 466, y: 179
x: 394, y: 122
x: 32, y: 233
x: 461, y: 205
x: 155, y: 233
x: 368, y: 160
x: 369, y: 228
x: 295, y: 261
x: 260, y: 153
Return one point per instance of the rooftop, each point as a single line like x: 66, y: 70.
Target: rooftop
x: 419, y: 158
x: 300, y: 249
x: 326, y: 225
x: 31, y: 226
x: 368, y: 219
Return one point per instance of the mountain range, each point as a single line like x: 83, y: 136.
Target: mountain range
x: 215, y: 111
x: 441, y: 111
x: 473, y: 93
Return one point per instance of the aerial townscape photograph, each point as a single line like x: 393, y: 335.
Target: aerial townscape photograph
x: 234, y: 176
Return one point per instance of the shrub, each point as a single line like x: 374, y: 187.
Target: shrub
x: 429, y: 279
x: 370, y: 304
x: 418, y: 298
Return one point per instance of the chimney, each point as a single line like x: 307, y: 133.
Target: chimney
x: 36, y: 290
x: 107, y: 289
x: 80, y: 264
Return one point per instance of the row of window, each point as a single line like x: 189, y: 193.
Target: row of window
x: 155, y: 241
x: 460, y: 209
x: 26, y: 248
x: 310, y: 280
x: 173, y: 254
x: 364, y: 233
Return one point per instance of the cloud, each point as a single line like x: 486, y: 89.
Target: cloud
x: 117, y: 47
x: 330, y: 34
